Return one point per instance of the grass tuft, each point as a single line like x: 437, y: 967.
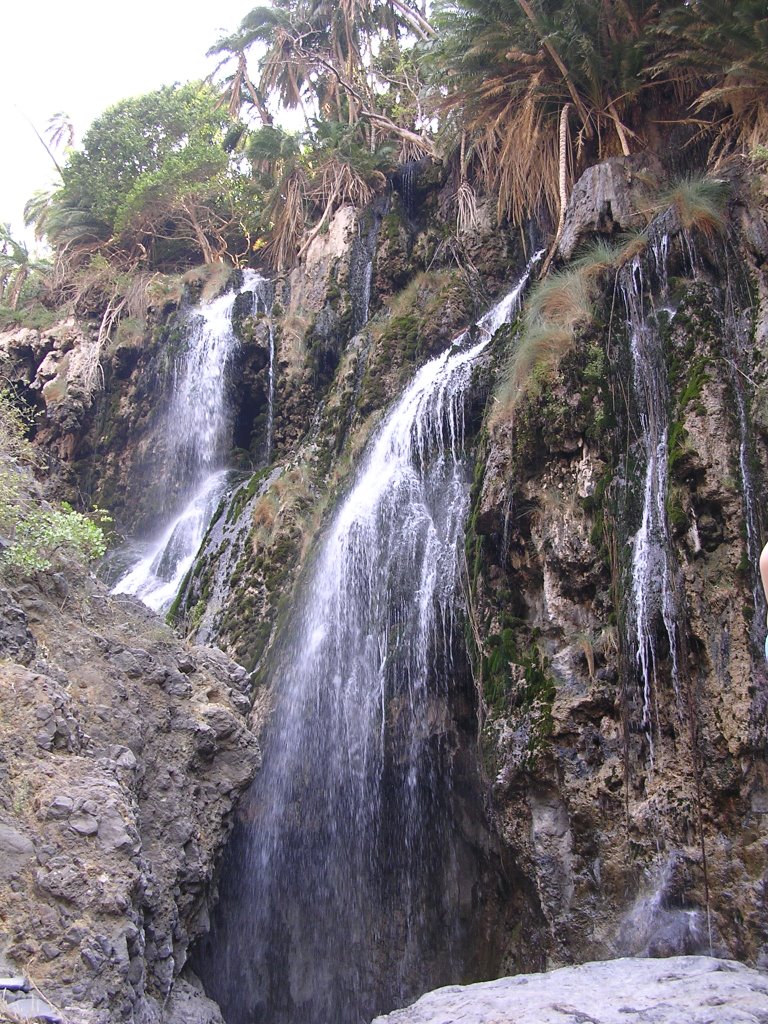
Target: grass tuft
x: 699, y: 203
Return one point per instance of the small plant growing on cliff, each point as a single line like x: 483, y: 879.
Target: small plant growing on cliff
x: 698, y: 202
x: 34, y: 535
x: 40, y: 536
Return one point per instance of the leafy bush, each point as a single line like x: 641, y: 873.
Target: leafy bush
x: 42, y: 536
x: 34, y: 535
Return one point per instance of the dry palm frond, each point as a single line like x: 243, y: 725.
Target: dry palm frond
x: 338, y: 182
x: 745, y: 127
x: 410, y: 150
x: 335, y: 184
x: 518, y: 149
x: 466, y: 208
x: 137, y: 293
x: 288, y: 210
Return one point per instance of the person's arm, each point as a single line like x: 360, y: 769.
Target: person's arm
x: 764, y: 572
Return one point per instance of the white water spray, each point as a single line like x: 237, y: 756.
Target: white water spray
x: 197, y: 433
x: 350, y: 889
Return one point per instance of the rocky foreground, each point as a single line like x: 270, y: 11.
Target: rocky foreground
x: 680, y: 990
x: 122, y: 753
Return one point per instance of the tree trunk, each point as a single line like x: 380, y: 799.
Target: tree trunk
x: 563, y: 183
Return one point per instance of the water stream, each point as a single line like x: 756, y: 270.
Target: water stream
x: 361, y: 262
x: 263, y: 299
x: 653, y: 569
x: 349, y: 886
x: 197, y: 433
x: 737, y: 323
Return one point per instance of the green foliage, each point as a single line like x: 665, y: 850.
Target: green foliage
x: 518, y: 683
x: 36, y: 535
x: 17, y: 268
x: 42, y: 535
x: 720, y: 47
x: 152, y: 182
x: 506, y: 70
x: 135, y: 138
x: 310, y: 175
x: 511, y: 68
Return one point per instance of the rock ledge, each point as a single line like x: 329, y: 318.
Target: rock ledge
x: 680, y: 990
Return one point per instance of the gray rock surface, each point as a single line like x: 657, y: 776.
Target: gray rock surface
x: 608, y: 197
x: 188, y: 1004
x: 681, y: 990
x: 118, y: 778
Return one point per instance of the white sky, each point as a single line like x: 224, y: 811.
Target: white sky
x: 80, y: 57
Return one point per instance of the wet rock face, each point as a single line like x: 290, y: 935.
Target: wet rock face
x: 636, y: 805
x: 123, y: 753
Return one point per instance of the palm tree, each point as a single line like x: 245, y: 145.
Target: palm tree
x: 318, y: 52
x: 61, y: 131
x: 513, y: 66
x: 722, y: 46
x: 278, y: 165
x: 16, y: 265
x: 238, y: 85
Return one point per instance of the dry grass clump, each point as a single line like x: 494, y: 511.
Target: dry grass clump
x: 699, y: 203
x: 562, y: 303
x: 265, y: 512
x: 282, y: 508
x: 293, y: 330
x: 212, y: 278
x: 558, y: 306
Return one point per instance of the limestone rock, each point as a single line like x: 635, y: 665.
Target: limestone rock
x: 681, y: 990
x: 607, y: 198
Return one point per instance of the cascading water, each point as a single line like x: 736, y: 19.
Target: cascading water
x: 347, y: 887
x: 653, y: 571
x: 361, y: 262
x: 197, y: 433
x: 737, y: 320
x: 263, y: 300
x: 408, y: 173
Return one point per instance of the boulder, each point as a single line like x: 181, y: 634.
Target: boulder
x: 680, y: 990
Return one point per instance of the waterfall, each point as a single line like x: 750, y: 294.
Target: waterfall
x: 159, y: 567
x: 361, y: 262
x: 348, y: 888
x: 408, y: 173
x: 737, y: 322
x: 263, y: 299
x: 653, y: 570
x: 197, y: 433
x: 270, y: 395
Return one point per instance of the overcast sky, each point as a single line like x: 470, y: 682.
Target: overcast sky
x: 81, y: 56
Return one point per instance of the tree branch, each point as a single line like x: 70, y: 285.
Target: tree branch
x: 404, y: 133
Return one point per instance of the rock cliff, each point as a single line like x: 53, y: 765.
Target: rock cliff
x: 123, y: 753
x: 613, y: 615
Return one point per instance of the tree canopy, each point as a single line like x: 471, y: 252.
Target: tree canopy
x: 514, y: 95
